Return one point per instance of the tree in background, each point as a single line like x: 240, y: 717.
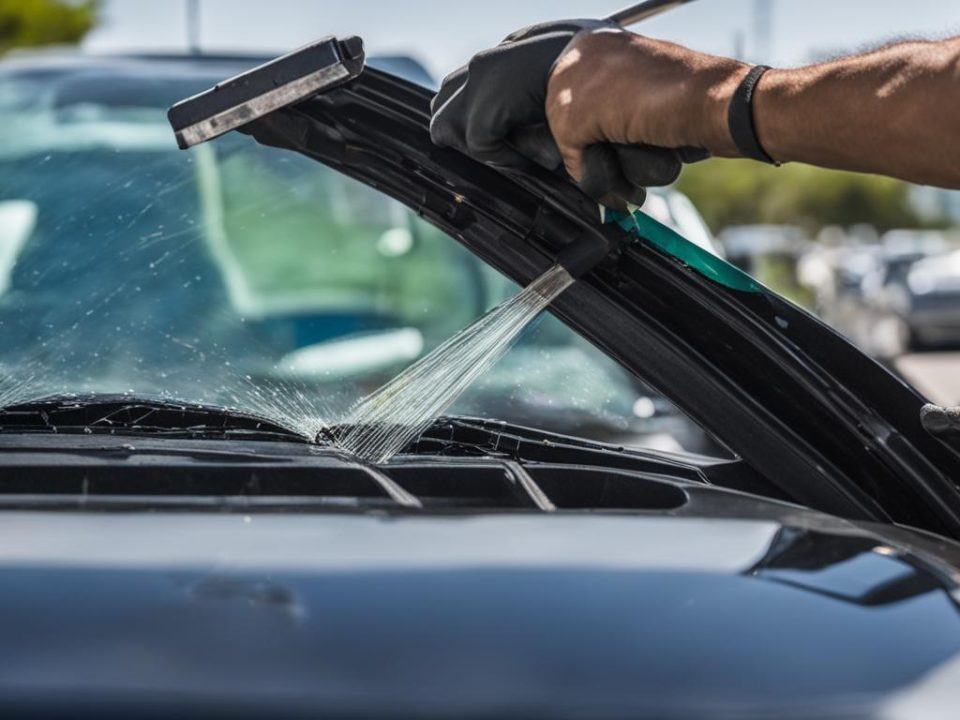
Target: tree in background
x: 31, y: 23
x: 731, y: 192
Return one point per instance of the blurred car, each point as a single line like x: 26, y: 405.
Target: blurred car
x: 169, y: 557
x: 929, y: 301
x: 882, y: 309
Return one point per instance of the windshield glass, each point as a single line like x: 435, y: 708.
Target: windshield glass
x: 248, y: 277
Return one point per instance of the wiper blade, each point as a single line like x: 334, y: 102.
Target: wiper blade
x: 126, y: 415
x: 458, y: 436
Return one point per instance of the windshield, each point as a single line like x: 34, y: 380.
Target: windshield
x: 245, y: 276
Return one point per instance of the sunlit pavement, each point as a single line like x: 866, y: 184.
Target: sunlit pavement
x: 936, y: 375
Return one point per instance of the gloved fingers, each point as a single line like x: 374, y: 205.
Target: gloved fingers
x: 535, y: 54
x: 486, y: 109
x: 614, y: 174
x: 448, y: 124
x: 571, y: 27
x: 496, y: 152
x: 691, y: 155
x: 645, y: 166
x: 489, y: 119
x: 520, y: 150
x: 536, y: 142
x: 603, y: 179
x: 450, y: 85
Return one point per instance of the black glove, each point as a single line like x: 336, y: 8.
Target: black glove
x: 493, y: 109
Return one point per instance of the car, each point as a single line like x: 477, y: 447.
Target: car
x: 169, y: 555
x: 932, y: 312
x: 898, y: 296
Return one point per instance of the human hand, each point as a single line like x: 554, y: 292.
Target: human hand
x: 613, y: 89
x: 495, y: 109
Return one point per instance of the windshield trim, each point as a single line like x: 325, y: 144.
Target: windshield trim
x: 799, y: 403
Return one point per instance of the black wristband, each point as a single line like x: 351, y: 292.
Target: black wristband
x: 740, y: 118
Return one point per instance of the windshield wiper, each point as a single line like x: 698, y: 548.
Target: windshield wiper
x: 131, y: 415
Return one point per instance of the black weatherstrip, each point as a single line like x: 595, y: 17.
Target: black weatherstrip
x: 796, y: 401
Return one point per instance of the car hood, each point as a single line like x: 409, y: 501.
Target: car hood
x: 797, y: 402
x: 472, y: 616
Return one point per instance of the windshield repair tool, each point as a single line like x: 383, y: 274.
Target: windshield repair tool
x: 290, y: 79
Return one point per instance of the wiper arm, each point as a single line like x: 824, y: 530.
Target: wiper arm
x: 125, y: 415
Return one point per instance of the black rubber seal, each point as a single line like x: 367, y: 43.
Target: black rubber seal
x: 741, y: 121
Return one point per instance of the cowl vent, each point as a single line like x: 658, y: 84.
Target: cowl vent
x: 91, y: 472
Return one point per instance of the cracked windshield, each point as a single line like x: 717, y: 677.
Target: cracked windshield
x: 249, y: 277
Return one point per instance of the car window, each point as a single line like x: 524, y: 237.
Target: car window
x: 336, y: 246
x: 240, y: 275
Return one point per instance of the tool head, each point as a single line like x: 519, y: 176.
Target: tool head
x: 288, y: 80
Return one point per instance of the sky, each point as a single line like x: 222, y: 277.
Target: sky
x: 443, y: 35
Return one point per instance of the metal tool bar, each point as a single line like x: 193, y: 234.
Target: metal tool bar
x: 643, y: 11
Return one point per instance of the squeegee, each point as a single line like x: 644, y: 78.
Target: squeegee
x: 302, y: 74
x: 287, y: 80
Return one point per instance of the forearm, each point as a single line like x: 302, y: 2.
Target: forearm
x: 895, y: 112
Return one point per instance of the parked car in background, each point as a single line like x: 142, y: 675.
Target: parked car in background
x: 927, y: 300
x: 892, y: 297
